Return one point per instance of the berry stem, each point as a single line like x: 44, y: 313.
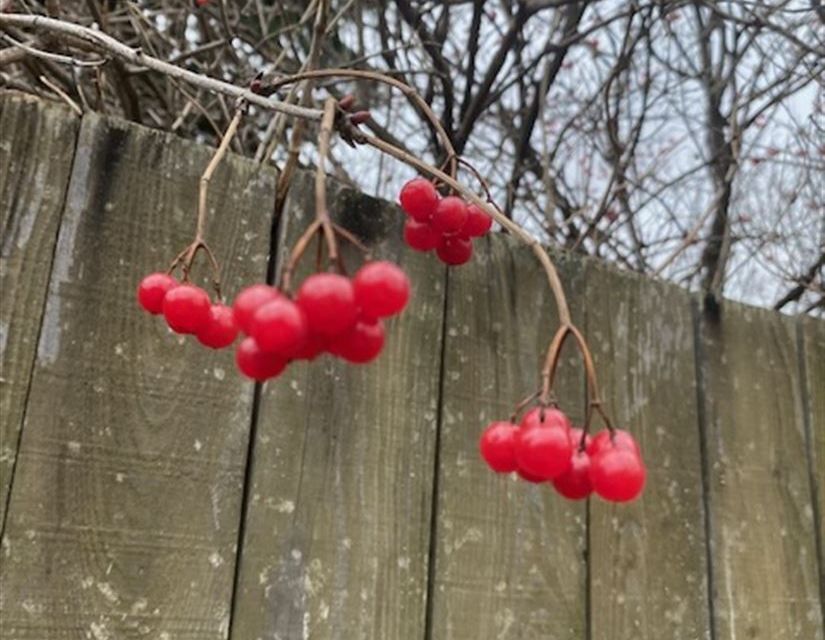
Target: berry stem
x: 206, y: 178
x: 297, y: 251
x: 409, y: 92
x: 321, y: 211
x: 186, y: 257
x: 523, y: 403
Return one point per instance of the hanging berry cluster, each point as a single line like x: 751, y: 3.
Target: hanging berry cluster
x: 343, y: 316
x: 447, y: 225
x: 545, y: 448
x: 330, y: 313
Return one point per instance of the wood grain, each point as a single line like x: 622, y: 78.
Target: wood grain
x: 337, y: 531
x: 509, y: 556
x: 812, y: 344
x: 37, y: 142
x: 124, y: 514
x: 762, y: 531
x: 647, y: 558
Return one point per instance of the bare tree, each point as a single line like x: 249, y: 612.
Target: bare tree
x: 680, y: 138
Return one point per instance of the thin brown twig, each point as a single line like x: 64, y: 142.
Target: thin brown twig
x: 186, y: 257
x: 409, y: 92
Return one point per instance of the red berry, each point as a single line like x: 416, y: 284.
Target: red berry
x: 478, y: 223
x: 419, y: 198
x: 381, y: 289
x: 524, y: 475
x: 420, y: 235
x: 221, y: 330
x: 544, y: 452
x: 621, y: 439
x: 575, y: 482
x: 543, y: 446
x: 454, y: 250
x: 618, y: 474
x: 279, y: 327
x: 498, y: 446
x: 249, y: 300
x: 450, y: 215
x: 576, y: 438
x: 152, y: 289
x: 313, y: 347
x: 360, y: 344
x: 256, y: 364
x: 186, y: 308
x: 328, y: 301
x: 552, y: 418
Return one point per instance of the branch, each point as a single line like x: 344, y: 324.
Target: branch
x: 100, y: 41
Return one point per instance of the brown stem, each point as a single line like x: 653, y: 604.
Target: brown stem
x: 213, y: 164
x: 350, y: 237
x: 296, y: 253
x: 551, y: 361
x: 186, y: 257
x: 409, y: 92
x: 523, y: 403
x: 321, y: 211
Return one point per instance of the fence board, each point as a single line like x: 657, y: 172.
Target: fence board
x: 509, y: 559
x: 36, y: 146
x: 338, y: 521
x: 813, y: 352
x: 763, y: 551
x: 648, y: 565
x: 124, y: 512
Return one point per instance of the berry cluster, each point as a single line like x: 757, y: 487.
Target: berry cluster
x: 544, y: 447
x: 330, y: 313
x: 188, y: 310
x: 447, y: 225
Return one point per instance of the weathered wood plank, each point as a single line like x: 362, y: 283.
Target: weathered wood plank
x: 762, y: 530
x: 124, y: 513
x: 509, y: 556
x: 647, y: 559
x: 813, y: 353
x: 36, y: 147
x: 337, y: 530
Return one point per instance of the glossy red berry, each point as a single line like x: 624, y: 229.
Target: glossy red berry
x: 313, y: 347
x: 152, y: 289
x: 543, y: 446
x: 575, y: 482
x: 328, y: 302
x: 360, y: 344
x: 529, y: 477
x: 478, y: 223
x: 381, y: 289
x: 248, y: 301
x: 454, y: 250
x: 279, y: 327
x: 221, y: 330
x: 419, y: 199
x: 255, y: 363
x: 618, y: 474
x: 186, y: 308
x: 420, y: 235
x: 576, y: 438
x: 498, y: 446
x: 450, y: 215
x: 621, y: 439
x: 544, y: 452
x: 552, y: 417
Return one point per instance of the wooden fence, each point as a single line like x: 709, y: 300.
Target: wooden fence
x: 148, y: 491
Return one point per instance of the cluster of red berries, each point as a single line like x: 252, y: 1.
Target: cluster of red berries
x: 544, y: 447
x: 330, y: 313
x: 447, y: 225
